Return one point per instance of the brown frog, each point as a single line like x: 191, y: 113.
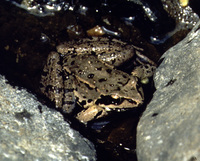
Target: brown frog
x: 85, y: 72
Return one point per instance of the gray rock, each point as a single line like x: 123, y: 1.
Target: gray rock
x: 170, y: 126
x: 31, y: 131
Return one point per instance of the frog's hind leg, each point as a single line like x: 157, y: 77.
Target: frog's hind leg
x: 52, y: 84
x: 69, y: 99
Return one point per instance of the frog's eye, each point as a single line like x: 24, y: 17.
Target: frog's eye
x: 115, y: 96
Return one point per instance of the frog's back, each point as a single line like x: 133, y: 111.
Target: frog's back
x: 111, y: 51
x: 97, y: 74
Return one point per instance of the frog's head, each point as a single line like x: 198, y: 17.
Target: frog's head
x: 129, y: 96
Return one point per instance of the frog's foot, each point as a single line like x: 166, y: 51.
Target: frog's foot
x: 145, y: 69
x: 91, y: 113
x: 143, y: 72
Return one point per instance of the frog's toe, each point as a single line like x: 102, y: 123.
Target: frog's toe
x: 91, y: 113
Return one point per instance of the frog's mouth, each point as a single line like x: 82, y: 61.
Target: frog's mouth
x: 111, y: 102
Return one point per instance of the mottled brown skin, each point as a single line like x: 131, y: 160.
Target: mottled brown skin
x: 85, y: 72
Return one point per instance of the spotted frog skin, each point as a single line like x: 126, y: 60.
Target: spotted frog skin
x: 85, y: 72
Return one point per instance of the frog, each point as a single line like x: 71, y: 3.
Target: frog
x: 85, y: 72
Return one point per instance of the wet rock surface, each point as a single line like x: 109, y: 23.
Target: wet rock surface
x: 169, y: 127
x: 31, y: 131
x: 183, y: 15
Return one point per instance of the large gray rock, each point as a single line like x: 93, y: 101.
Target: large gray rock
x: 170, y: 126
x: 30, y: 131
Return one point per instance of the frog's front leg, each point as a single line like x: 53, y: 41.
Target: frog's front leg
x: 146, y: 68
x: 90, y: 113
x: 55, y: 86
x: 144, y: 72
